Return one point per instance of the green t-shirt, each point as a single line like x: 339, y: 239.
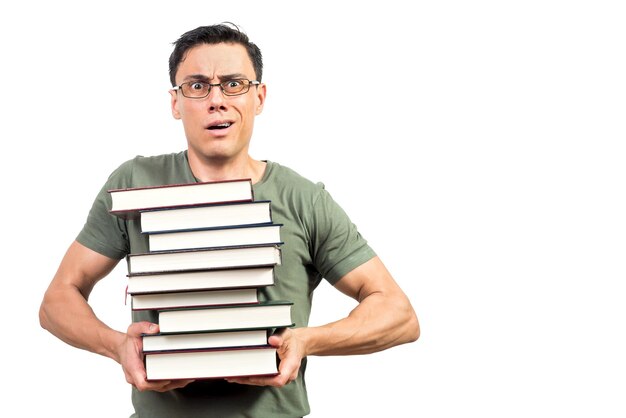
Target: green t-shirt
x: 319, y: 239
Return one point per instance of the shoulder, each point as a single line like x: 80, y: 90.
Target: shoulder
x: 152, y: 163
x: 149, y: 170
x: 291, y: 182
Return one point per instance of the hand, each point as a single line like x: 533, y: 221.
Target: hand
x: 131, y: 358
x: 290, y: 351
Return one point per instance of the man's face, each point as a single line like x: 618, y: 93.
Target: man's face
x: 217, y: 127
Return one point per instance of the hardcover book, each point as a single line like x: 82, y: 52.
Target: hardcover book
x: 204, y: 340
x: 127, y: 203
x: 270, y: 314
x: 243, y: 235
x: 200, y: 280
x: 206, y: 216
x: 193, y: 299
x: 202, y: 259
x: 211, y: 247
x: 206, y: 364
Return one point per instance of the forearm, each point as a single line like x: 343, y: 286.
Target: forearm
x: 64, y: 310
x: 379, y: 322
x: 66, y: 314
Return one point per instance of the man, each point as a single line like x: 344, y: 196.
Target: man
x: 217, y: 92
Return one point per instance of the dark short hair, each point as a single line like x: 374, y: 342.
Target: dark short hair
x: 215, y: 34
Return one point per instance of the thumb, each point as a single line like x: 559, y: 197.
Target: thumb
x: 144, y: 327
x: 275, y: 341
x: 278, y: 338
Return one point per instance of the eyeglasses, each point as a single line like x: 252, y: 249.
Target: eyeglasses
x: 200, y: 89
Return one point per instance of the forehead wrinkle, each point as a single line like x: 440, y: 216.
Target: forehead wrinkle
x: 224, y: 77
x: 197, y: 77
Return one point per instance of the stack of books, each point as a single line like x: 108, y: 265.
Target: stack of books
x: 211, y: 247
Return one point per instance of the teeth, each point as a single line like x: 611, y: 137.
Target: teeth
x: 221, y: 126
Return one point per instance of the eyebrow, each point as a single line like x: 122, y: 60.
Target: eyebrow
x: 204, y: 78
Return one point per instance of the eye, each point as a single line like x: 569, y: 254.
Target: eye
x: 196, y: 86
x: 233, y: 84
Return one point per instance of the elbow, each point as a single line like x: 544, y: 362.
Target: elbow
x: 413, y: 332
x: 44, y: 321
x: 408, y: 324
x: 411, y: 326
x: 42, y: 317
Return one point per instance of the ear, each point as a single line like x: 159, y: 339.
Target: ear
x: 260, y: 98
x: 174, y: 98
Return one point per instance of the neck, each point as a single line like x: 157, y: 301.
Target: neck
x: 226, y: 169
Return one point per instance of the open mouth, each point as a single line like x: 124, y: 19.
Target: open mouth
x: 220, y: 126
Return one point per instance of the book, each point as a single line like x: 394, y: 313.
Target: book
x: 200, y: 280
x: 193, y: 298
x: 206, y: 216
x: 211, y: 246
x: 201, y: 259
x: 214, y: 363
x: 268, y: 314
x: 128, y: 202
x: 243, y: 235
x: 204, y: 340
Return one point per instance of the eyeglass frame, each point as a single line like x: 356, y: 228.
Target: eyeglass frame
x: 250, y: 83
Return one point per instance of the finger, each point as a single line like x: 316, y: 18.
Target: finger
x: 177, y: 384
x: 281, y: 379
x: 174, y: 384
x: 255, y: 381
x: 288, y: 371
x: 281, y: 338
x: 275, y: 341
x: 144, y: 327
x: 163, y: 385
x: 279, y: 334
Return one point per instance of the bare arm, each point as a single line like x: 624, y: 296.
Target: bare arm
x: 65, y: 311
x: 383, y: 318
x: 66, y: 314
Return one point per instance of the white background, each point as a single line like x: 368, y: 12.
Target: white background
x: 478, y: 146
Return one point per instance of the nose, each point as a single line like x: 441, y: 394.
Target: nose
x: 216, y: 100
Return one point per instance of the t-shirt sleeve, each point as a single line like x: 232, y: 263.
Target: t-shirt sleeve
x: 103, y: 232
x: 337, y: 245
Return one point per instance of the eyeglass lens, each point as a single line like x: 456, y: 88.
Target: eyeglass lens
x: 197, y: 89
